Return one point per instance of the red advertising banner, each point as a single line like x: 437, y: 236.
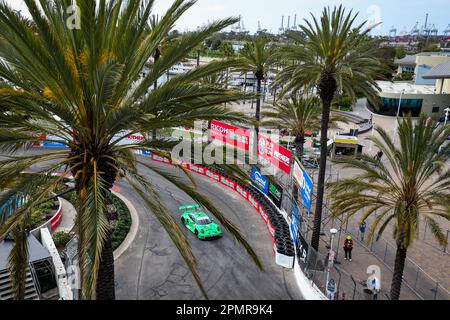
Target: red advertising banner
x: 277, y: 155
x: 263, y: 214
x: 231, y: 135
x: 158, y: 158
x: 197, y: 169
x: 227, y: 182
x: 253, y: 201
x: 212, y: 175
x: 242, y: 192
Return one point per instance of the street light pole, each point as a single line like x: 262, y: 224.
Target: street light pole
x: 331, y: 254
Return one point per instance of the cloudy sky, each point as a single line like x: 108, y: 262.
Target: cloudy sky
x: 401, y: 13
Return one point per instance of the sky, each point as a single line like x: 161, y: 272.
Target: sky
x: 403, y: 14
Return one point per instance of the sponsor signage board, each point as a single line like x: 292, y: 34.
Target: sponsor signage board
x: 261, y: 181
x: 304, y: 182
x: 275, y: 194
x: 231, y: 135
x: 278, y: 156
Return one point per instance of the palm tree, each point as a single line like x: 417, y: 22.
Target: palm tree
x: 412, y: 187
x: 201, y: 50
x: 298, y: 114
x: 257, y: 57
x: 334, y: 57
x: 85, y: 86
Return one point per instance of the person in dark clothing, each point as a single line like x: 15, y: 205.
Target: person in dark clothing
x: 348, y: 247
x: 379, y: 155
x: 362, y: 229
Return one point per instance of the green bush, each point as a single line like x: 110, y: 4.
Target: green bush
x: 37, y: 216
x: 62, y: 238
x: 404, y: 76
x: 344, y: 103
x: 124, y: 224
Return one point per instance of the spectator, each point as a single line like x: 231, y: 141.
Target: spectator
x: 362, y: 229
x: 373, y: 284
x: 348, y: 247
x: 379, y: 155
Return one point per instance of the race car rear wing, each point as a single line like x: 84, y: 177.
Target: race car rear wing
x: 189, y: 207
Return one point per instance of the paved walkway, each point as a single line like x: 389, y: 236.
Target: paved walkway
x: 68, y: 216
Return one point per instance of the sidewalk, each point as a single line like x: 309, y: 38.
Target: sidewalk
x: 68, y: 217
x: 362, y: 260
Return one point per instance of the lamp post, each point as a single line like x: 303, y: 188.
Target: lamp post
x: 447, y: 113
x: 331, y: 254
x: 398, y: 114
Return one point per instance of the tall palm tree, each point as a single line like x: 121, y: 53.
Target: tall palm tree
x: 200, y: 50
x: 298, y: 114
x: 334, y: 57
x: 85, y: 86
x: 257, y: 57
x: 412, y: 187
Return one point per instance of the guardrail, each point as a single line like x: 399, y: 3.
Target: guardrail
x: 51, y: 224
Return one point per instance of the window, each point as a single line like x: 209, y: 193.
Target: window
x: 436, y: 109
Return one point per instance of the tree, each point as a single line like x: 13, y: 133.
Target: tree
x: 408, y: 190
x: 298, y: 114
x: 335, y: 57
x: 202, y: 49
x: 227, y: 49
x: 257, y: 56
x: 85, y: 87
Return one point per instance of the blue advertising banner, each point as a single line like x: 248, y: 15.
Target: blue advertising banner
x: 295, y: 224
x: 304, y: 182
x: 261, y: 181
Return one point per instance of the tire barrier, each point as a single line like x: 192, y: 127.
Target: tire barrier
x: 276, y: 224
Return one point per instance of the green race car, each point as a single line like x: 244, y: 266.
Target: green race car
x: 199, y: 223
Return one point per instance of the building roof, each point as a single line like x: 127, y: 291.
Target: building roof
x: 408, y: 60
x: 36, y: 251
x: 441, y: 71
x: 407, y: 87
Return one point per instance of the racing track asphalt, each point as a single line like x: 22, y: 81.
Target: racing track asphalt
x: 152, y: 268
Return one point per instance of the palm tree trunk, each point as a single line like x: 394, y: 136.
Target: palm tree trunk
x: 299, y: 146
x: 327, y: 90
x: 258, y: 104
x: 397, y: 278
x: 105, y: 287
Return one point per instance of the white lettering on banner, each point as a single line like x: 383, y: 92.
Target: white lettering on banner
x: 212, y: 175
x: 217, y: 128
x: 259, y: 179
x: 241, y: 191
x: 253, y: 201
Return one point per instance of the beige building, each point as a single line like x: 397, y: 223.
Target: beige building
x: 420, y: 64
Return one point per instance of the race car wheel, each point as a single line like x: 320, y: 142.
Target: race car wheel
x: 183, y: 221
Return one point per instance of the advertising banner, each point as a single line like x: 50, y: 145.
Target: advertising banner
x: 227, y: 182
x: 212, y: 175
x: 261, y: 181
x: 277, y: 155
x: 295, y: 224
x: 158, y: 158
x: 304, y: 182
x: 57, y: 142
x: 242, y: 192
x: 253, y: 201
x: 231, y: 135
x: 276, y: 194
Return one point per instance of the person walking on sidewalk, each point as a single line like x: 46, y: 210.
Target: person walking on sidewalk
x: 348, y: 247
x: 362, y: 229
